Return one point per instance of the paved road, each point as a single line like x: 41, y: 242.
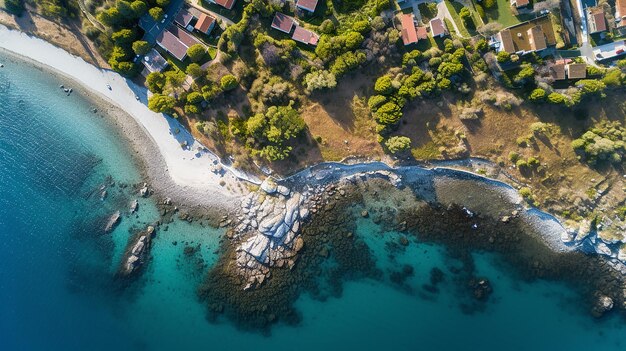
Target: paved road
x: 586, y: 50
x: 153, y: 29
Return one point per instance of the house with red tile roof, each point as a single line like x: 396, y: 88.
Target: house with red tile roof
x: 409, y: 32
x: 308, y: 5
x: 283, y: 22
x: 305, y: 36
x: 227, y: 4
x: 205, y: 24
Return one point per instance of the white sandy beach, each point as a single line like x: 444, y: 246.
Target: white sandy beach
x: 188, y: 168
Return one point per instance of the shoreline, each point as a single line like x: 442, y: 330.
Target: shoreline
x: 187, y: 175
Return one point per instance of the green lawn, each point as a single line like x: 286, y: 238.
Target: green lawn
x: 452, y: 7
x: 502, y: 13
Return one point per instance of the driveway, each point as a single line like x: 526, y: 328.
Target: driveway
x: 443, y: 13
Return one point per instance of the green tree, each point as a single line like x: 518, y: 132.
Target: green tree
x: 388, y: 114
x: 156, y: 13
x: 318, y: 80
x: 15, y: 7
x: 228, y: 82
x: 125, y: 9
x: 110, y: 17
x: 194, y: 98
x: 489, y: 4
x: 383, y: 85
x: 194, y: 70
x: 196, y: 52
x: 155, y: 82
x: 537, y: 95
x: 141, y: 47
x: 161, y: 103
x: 504, y: 56
x: 398, y: 144
x: 139, y: 8
x: 272, y: 129
x: 123, y: 36
x: 163, y: 3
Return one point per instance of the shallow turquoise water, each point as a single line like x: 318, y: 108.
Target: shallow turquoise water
x: 56, y: 276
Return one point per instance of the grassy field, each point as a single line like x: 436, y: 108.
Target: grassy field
x: 502, y: 13
x: 454, y: 8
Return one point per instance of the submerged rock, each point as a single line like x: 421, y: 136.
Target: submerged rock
x: 602, y: 305
x: 113, y: 221
x: 134, y: 205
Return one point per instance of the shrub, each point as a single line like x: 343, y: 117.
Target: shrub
x: 194, y: 98
x: 503, y: 57
x: 141, y: 47
x: 398, y: 144
x: 489, y: 4
x: 383, y: 85
x: 196, y: 52
x: 376, y: 101
x: 15, y: 7
x: 319, y: 80
x: 228, y: 82
x: 156, y: 13
x: 514, y: 156
x: 537, y: 95
x: 161, y: 103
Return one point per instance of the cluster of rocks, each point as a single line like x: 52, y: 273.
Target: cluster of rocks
x: 137, y: 252
x: 601, y: 239
x: 268, y: 230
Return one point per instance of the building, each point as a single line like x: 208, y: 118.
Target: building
x: 170, y: 43
x: 305, y: 36
x: 422, y: 33
x: 183, y: 18
x: 176, y: 41
x: 596, y: 22
x: 576, y: 70
x: 227, y: 4
x: 609, y: 51
x: 519, y: 3
x: 283, y: 22
x: 438, y: 28
x: 620, y: 13
x: 308, y: 5
x: 536, y: 38
x: 154, y: 62
x: 409, y: 32
x: 557, y: 71
x: 531, y: 36
x: 205, y: 24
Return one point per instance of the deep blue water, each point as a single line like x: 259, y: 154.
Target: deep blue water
x: 57, y: 269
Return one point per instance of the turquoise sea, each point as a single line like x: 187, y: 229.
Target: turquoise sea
x: 57, y: 286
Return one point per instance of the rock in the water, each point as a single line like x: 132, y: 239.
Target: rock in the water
x: 144, y: 190
x: 134, y: 205
x: 365, y: 214
x: 602, y: 305
x: 113, y: 221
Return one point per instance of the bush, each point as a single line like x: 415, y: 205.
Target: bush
x: 388, y: 114
x: 196, y: 52
x: 319, y: 80
x: 228, y: 82
x: 376, y: 101
x: 556, y: 98
x: 161, y: 103
x: 489, y: 4
x: 272, y: 129
x: 327, y: 27
x: 503, y: 57
x: 537, y: 95
x: 15, y: 7
x: 155, y: 82
x: 141, y: 47
x: 156, y: 13
x: 398, y: 144
x: 383, y: 85
x: 194, y: 98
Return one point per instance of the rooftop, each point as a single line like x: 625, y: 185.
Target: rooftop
x: 183, y: 36
x: 422, y: 33
x: 305, y: 36
x: 409, y: 32
x: 307, y: 4
x: 557, y: 71
x: 225, y: 3
x: 168, y: 41
x: 620, y: 11
x: 595, y: 19
x: 183, y: 17
x: 437, y: 27
x: 520, y: 3
x: 533, y: 35
x: 283, y: 22
x: 576, y: 70
x: 154, y: 62
x: 205, y: 23
x: 610, y: 50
